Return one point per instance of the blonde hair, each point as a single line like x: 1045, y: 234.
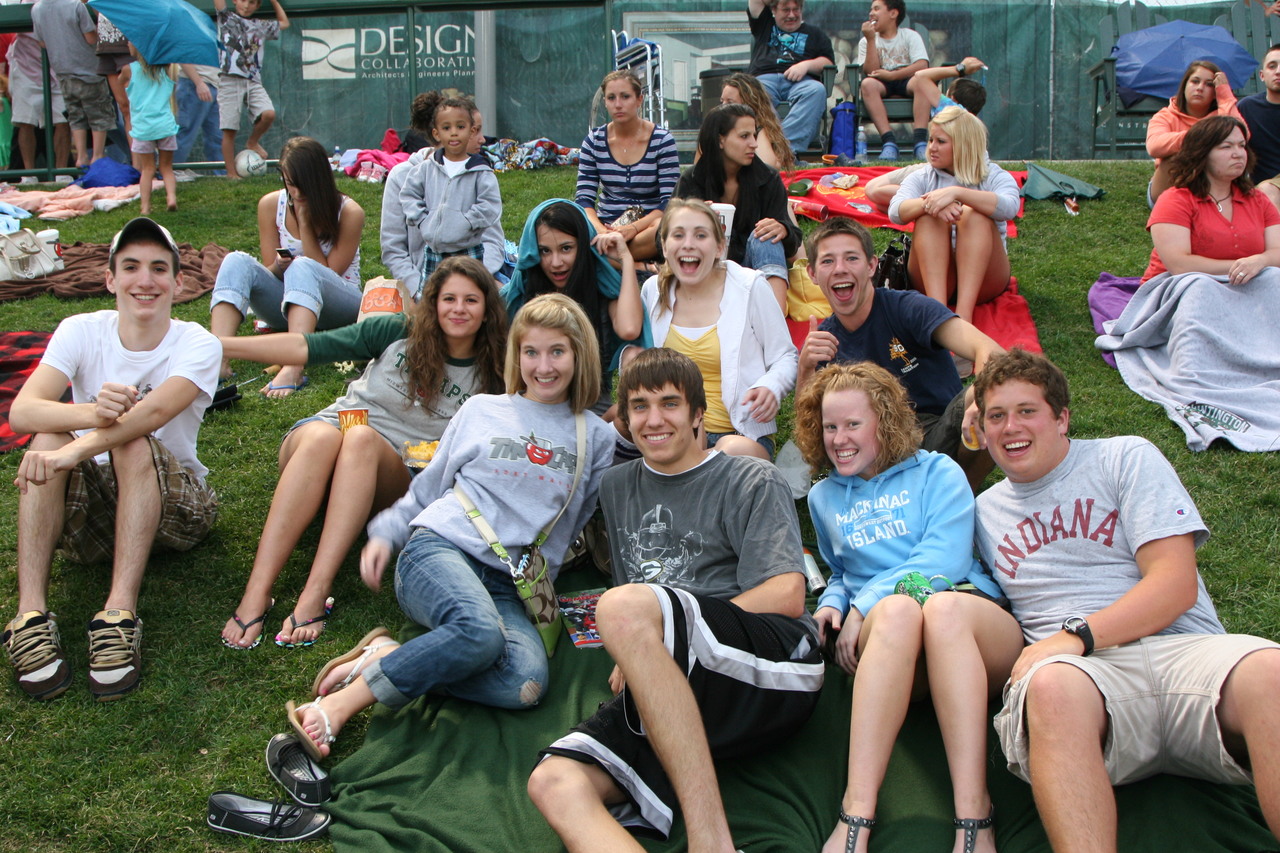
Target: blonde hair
x: 558, y: 313
x: 968, y: 144
x: 665, y: 275
x: 898, y: 433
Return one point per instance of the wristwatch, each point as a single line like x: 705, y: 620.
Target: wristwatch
x: 960, y: 69
x: 1078, y: 626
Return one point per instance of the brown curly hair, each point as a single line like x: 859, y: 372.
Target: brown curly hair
x: 425, y: 348
x: 1018, y: 365
x: 898, y: 434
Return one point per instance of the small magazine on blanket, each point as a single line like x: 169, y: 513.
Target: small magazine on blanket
x: 579, y: 611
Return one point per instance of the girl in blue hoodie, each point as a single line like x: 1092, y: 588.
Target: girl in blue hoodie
x: 887, y: 509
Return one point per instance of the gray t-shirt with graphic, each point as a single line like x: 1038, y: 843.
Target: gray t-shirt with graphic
x: 726, y: 526
x: 383, y: 387
x: 1064, y: 545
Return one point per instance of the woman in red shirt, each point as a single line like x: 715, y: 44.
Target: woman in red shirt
x: 1212, y: 220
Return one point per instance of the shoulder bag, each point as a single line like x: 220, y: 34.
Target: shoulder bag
x: 531, y: 577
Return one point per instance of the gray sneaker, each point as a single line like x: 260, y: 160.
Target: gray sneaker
x: 35, y: 651
x: 115, y: 653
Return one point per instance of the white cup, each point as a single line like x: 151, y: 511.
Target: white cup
x: 725, y: 212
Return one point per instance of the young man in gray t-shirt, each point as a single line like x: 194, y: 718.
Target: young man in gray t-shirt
x: 709, y: 604
x: 1128, y: 673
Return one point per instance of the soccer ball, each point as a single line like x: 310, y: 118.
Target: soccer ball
x: 250, y: 164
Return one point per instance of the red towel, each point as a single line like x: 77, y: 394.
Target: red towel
x: 853, y: 202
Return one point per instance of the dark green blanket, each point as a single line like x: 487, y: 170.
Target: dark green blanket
x: 449, y: 776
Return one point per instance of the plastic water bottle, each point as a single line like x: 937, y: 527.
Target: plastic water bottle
x: 335, y: 162
x: 860, y: 145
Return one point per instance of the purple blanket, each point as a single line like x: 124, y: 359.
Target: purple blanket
x: 1107, y: 300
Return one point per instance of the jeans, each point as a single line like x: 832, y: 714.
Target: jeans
x: 481, y: 646
x: 195, y: 117
x: 768, y: 259
x: 808, y: 99
x: 244, y: 283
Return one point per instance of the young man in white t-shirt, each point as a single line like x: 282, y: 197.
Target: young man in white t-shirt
x: 1128, y: 672
x: 899, y: 53
x: 114, y: 471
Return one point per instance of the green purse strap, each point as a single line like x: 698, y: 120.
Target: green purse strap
x: 486, y: 530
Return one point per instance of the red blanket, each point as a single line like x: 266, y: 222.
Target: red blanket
x: 1006, y: 319
x: 853, y: 202
x: 20, y: 352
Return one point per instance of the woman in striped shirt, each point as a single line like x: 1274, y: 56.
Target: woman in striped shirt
x: 627, y: 169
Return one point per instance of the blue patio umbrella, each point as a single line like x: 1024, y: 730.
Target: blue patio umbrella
x: 164, y: 31
x: 1152, y: 61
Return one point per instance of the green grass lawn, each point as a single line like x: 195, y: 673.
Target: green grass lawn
x: 134, y: 775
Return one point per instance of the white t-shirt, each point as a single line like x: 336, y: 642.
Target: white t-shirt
x: 1064, y: 544
x: 901, y: 50
x: 87, y: 348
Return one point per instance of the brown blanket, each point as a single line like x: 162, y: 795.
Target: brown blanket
x: 86, y: 266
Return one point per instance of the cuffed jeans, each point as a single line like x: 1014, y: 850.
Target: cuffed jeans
x: 243, y: 283
x: 768, y: 259
x: 808, y: 99
x: 481, y: 646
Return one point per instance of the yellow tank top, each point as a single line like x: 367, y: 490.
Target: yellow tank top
x: 704, y: 349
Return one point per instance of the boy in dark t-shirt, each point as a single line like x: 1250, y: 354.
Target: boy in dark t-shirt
x: 905, y: 332
x: 706, y: 554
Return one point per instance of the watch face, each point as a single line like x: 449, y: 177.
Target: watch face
x: 1074, y: 624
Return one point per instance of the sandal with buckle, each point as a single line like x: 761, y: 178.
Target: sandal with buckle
x: 295, y: 720
x: 971, y: 826
x: 360, y: 653
x: 856, y: 825
x: 245, y: 626
x: 323, y: 619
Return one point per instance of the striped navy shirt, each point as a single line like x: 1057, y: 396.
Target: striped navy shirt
x: 610, y: 187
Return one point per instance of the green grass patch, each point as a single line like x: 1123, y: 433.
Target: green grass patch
x: 134, y: 775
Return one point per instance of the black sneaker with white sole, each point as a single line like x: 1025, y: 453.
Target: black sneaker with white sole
x: 270, y: 820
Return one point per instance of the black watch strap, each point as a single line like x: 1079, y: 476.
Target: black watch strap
x: 1078, y: 626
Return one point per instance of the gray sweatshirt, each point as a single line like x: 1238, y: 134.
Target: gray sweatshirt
x: 451, y: 213
x: 515, y: 459
x: 402, y: 245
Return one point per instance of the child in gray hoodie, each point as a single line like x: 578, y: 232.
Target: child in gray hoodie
x: 451, y: 197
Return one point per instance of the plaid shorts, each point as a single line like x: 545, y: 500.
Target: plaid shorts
x: 431, y: 258
x: 188, y: 508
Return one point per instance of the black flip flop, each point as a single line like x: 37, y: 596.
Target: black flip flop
x: 271, y: 820
x: 303, y: 779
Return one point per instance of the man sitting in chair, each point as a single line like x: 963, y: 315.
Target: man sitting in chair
x: 787, y: 56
